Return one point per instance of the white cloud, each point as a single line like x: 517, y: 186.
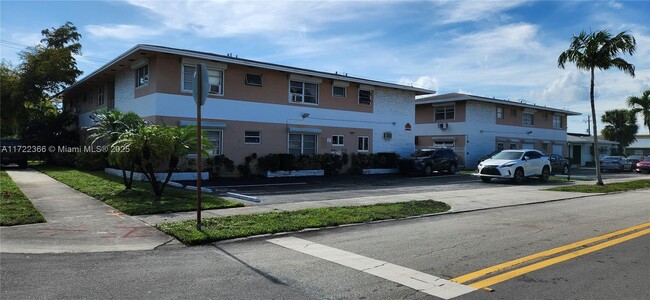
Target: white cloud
x: 232, y: 18
x: 466, y: 11
x: 426, y: 82
x: 121, y: 31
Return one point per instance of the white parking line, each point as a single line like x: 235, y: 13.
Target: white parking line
x: 422, y: 282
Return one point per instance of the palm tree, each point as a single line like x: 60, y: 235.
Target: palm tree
x: 598, y: 50
x: 641, y: 105
x: 107, y: 129
x: 621, y: 127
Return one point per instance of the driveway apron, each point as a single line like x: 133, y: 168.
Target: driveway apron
x: 76, y: 222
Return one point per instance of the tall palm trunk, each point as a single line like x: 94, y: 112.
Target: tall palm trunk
x: 593, y: 118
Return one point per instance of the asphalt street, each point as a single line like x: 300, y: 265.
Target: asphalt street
x: 445, y: 246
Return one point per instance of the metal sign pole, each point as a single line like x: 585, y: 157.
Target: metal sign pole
x: 200, y: 88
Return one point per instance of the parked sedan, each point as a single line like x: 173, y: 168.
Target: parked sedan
x: 615, y: 163
x: 559, y: 164
x: 643, y: 166
x: 635, y: 159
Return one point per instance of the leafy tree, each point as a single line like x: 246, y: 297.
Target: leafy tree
x: 12, y: 108
x: 620, y: 127
x: 598, y: 50
x: 641, y: 105
x: 158, y: 147
x: 44, y: 70
x: 107, y: 130
x: 48, y: 68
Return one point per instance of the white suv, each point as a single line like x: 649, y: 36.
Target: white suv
x: 515, y: 165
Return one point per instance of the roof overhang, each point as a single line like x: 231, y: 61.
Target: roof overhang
x: 455, y: 97
x: 124, y: 60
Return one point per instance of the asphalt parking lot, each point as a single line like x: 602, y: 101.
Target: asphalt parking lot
x: 297, y: 189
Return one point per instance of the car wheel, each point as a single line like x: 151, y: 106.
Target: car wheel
x: 452, y: 169
x: 565, y: 170
x: 428, y: 170
x: 486, y: 179
x: 519, y: 176
x: 544, y: 176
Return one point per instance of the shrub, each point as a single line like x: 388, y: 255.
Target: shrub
x: 90, y: 161
x: 330, y: 163
x: 219, y: 163
x: 245, y: 169
x: 383, y: 160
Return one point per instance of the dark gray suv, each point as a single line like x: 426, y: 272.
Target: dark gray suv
x: 428, y: 161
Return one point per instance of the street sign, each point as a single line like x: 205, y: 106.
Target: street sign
x: 201, y: 84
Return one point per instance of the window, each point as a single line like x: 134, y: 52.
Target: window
x: 500, y: 146
x: 254, y: 79
x: 303, y: 92
x: 362, y: 145
x: 142, y: 76
x: 557, y: 122
x: 513, y: 112
x: 444, y: 113
x: 528, y: 119
x: 215, y: 137
x: 302, y: 143
x: 513, y: 146
x: 100, y: 96
x: 252, y: 137
x: 365, y: 97
x: 338, y: 91
x: 499, y: 112
x: 337, y: 140
x: 215, y: 79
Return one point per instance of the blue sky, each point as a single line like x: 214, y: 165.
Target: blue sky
x: 502, y: 49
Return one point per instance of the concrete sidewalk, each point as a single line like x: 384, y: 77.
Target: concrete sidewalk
x: 76, y: 222
x: 459, y: 200
x: 79, y: 223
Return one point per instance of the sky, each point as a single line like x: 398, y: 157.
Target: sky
x: 502, y: 49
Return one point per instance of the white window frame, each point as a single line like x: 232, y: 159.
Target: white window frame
x: 524, y: 122
x: 345, y: 91
x: 371, y: 96
x: 293, y: 97
x: 302, y: 142
x: 338, y: 140
x: 145, y: 76
x: 219, y: 145
x: 363, y: 141
x: 253, y: 83
x: 500, y: 113
x: 445, y: 111
x: 558, y: 124
x: 210, y: 69
x: 258, y: 137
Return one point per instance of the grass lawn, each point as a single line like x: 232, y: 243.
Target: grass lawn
x: 607, y: 188
x: 138, y: 201
x: 16, y: 209
x: 215, y: 229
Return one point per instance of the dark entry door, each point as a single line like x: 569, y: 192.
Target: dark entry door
x: 576, y: 156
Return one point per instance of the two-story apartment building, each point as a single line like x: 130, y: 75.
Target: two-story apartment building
x: 475, y: 126
x: 252, y: 107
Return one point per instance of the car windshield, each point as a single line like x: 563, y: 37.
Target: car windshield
x: 509, y: 155
x: 422, y: 153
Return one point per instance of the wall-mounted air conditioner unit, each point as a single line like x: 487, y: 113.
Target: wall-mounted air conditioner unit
x: 443, y: 126
x: 296, y: 98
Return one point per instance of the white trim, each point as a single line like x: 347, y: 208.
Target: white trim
x: 338, y: 83
x: 210, y: 68
x: 304, y: 130
x: 361, y: 150
x: 208, y: 64
x: 345, y: 91
x: 303, y: 78
x: 338, y: 145
x: 259, y: 136
x: 139, y: 63
x: 366, y: 87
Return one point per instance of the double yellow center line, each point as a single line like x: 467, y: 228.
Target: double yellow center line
x: 601, y: 242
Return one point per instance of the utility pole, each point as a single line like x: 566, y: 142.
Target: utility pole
x: 588, y: 122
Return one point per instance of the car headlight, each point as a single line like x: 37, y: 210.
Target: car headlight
x: 509, y: 164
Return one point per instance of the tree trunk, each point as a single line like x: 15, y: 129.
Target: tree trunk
x: 599, y: 176
x: 127, y: 184
x: 171, y: 167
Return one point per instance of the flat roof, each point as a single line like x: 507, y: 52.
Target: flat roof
x: 466, y: 97
x: 144, y: 48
